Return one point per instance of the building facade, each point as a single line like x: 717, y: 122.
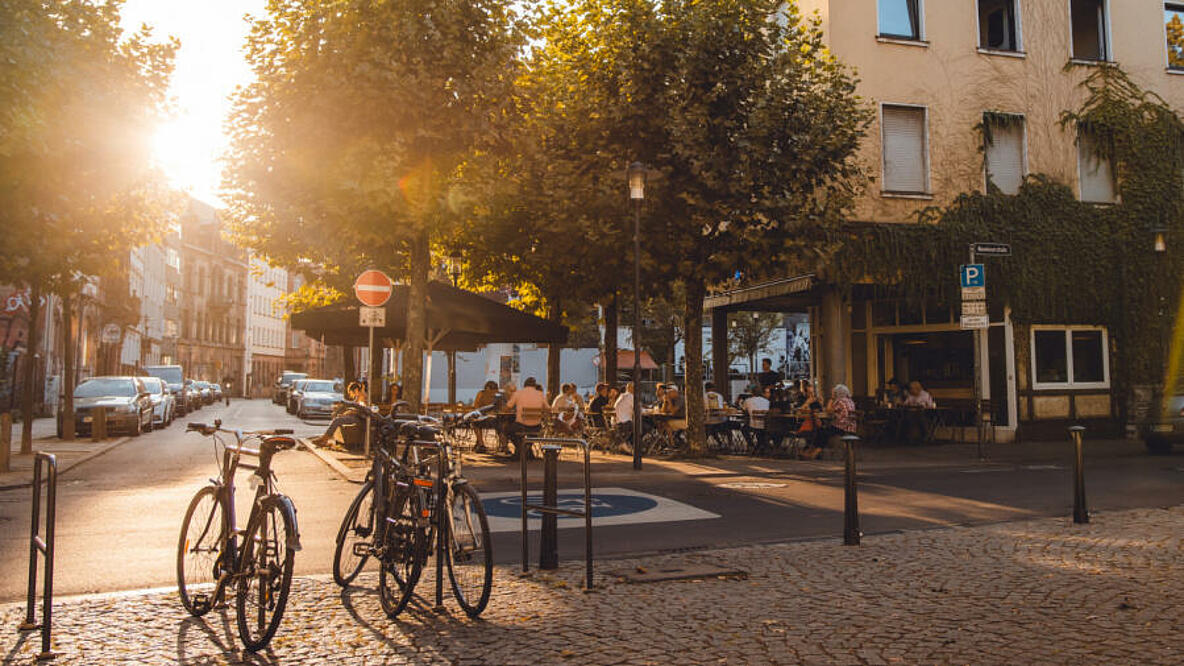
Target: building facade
x: 267, y: 326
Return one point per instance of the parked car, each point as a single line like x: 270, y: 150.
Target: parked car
x: 207, y: 393
x: 217, y: 389
x: 1161, y: 431
x: 294, y: 394
x: 174, y: 380
x: 317, y: 398
x: 193, y: 391
x: 283, y: 383
x: 164, y: 405
x: 127, y: 400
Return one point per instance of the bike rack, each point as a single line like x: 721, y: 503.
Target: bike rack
x: 548, y: 546
x: 38, y: 545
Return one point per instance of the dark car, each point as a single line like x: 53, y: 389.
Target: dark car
x: 317, y: 398
x: 206, y: 393
x: 126, y: 399
x: 294, y: 393
x: 174, y: 379
x: 1162, y: 431
x: 282, y: 383
x: 193, y: 395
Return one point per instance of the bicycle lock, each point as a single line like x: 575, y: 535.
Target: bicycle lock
x: 550, y: 509
x: 42, y: 546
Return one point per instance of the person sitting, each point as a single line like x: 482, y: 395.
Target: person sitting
x: 778, y: 425
x: 568, y: 410
x: 713, y: 403
x: 345, y: 416
x: 597, y: 406
x: 755, y: 432
x: 915, y: 421
x: 528, y: 404
x: 485, y: 397
x: 808, y: 409
x: 842, y: 409
x: 895, y: 393
x: 623, y: 414
x: 918, y: 397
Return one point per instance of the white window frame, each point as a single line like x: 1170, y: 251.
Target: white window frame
x: 1067, y: 331
x: 899, y: 38
x: 1108, y: 42
x: 928, y: 193
x: 1018, y: 52
x: 1023, y: 150
x: 1167, y: 61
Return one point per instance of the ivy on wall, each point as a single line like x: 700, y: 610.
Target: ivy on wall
x: 1072, y: 262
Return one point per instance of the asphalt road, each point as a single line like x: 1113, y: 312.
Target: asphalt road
x: 119, y: 514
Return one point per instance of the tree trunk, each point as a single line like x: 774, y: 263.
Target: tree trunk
x: 68, y: 368
x: 375, y: 373
x: 350, y: 371
x: 417, y: 296
x: 554, y: 351
x: 612, y: 313
x: 693, y: 345
x: 33, y: 342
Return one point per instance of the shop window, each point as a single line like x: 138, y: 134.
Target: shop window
x: 884, y: 313
x: 1095, y: 171
x: 1174, y: 28
x: 900, y: 19
x: 1088, y: 20
x: 906, y: 159
x: 1070, y: 357
x: 998, y: 23
x: 1003, y: 145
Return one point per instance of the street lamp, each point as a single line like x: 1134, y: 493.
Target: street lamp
x: 454, y: 259
x: 636, y: 176
x: 1161, y: 243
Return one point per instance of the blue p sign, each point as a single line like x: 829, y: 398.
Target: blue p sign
x: 973, y: 275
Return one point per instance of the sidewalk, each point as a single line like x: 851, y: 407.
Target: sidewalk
x: 69, y: 454
x: 1040, y: 591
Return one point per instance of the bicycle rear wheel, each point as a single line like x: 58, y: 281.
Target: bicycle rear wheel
x: 354, y: 535
x: 199, y: 551
x: 470, y: 552
x: 404, y: 550
x: 265, y: 575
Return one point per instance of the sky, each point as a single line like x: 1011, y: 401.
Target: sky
x: 208, y: 67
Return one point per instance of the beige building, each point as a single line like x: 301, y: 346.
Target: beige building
x: 936, y: 74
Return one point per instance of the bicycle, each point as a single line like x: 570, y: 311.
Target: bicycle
x: 397, y: 520
x: 209, y: 555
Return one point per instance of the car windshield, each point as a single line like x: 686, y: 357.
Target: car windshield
x: 103, y: 388
x: 171, y: 374
x: 153, y: 384
x: 286, y: 380
x: 320, y: 387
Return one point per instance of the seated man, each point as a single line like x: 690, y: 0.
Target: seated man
x: 528, y: 404
x: 674, y: 405
x: 568, y: 410
x: 597, y: 406
x: 915, y: 421
x: 755, y: 432
x: 485, y: 397
x: 346, y: 416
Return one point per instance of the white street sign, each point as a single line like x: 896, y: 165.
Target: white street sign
x: 971, y: 322
x: 110, y: 334
x: 974, y: 308
x: 371, y: 317
x: 974, y: 293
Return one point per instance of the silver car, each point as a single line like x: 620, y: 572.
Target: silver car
x: 317, y: 397
x: 164, y: 404
x: 1163, y: 430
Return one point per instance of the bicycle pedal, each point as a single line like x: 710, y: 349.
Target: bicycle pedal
x: 362, y: 549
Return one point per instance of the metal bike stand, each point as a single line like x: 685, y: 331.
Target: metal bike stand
x: 549, y: 538
x: 40, y: 546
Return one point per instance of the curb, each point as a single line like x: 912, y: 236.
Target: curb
x: 333, y: 463
x: 86, y: 458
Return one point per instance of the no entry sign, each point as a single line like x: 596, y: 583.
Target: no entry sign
x: 373, y: 288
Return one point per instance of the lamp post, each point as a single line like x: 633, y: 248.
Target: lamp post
x: 454, y: 259
x: 636, y: 174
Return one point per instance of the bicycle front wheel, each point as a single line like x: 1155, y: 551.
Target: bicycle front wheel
x: 265, y: 575
x: 470, y: 553
x: 353, y: 537
x: 404, y: 550
x: 199, y: 551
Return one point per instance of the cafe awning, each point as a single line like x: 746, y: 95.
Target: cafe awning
x: 456, y: 320
x: 625, y: 360
x: 790, y: 294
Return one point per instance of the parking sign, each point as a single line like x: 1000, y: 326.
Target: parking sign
x: 973, y: 275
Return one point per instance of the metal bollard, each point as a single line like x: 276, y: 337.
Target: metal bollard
x: 1080, y: 512
x: 39, y: 546
x: 851, y: 532
x: 5, y: 440
x: 549, y: 540
x: 98, y: 423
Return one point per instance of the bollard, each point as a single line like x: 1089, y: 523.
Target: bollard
x: 98, y: 423
x: 5, y: 440
x: 549, y: 540
x: 850, y: 496
x: 1080, y: 512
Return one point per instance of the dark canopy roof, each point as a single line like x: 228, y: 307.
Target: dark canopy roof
x: 465, y: 319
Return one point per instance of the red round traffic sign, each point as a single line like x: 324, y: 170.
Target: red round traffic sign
x: 373, y: 288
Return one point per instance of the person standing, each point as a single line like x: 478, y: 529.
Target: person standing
x: 623, y: 412
x: 528, y: 404
x: 767, y: 376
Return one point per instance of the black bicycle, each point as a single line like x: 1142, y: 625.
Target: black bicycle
x: 411, y: 508
x: 210, y: 556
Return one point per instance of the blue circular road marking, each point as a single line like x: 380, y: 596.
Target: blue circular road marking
x: 603, y: 505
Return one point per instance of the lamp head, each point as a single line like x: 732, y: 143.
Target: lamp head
x: 636, y: 174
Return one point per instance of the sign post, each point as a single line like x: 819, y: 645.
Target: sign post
x: 975, y: 317
x: 373, y: 289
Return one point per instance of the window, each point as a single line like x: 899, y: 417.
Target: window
x: 998, y: 25
x: 1174, y: 28
x: 900, y: 19
x: 1088, y: 20
x: 906, y: 161
x: 1003, y: 139
x: 1095, y: 173
x: 1070, y: 357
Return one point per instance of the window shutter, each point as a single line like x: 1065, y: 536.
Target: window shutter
x: 906, y: 166
x: 1097, y: 178
x: 1005, y: 156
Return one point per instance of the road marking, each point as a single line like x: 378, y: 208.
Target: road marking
x: 610, y: 506
x: 753, y: 485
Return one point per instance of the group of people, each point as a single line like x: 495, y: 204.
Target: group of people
x: 915, y: 404
x: 777, y: 412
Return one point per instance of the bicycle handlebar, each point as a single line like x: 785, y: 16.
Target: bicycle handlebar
x: 276, y: 437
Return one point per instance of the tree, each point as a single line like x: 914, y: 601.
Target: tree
x: 78, y: 97
x: 748, y: 124
x: 751, y: 334
x: 345, y: 149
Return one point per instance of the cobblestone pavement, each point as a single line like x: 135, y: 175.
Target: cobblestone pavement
x: 1040, y: 591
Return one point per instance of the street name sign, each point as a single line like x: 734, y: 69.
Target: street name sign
x: 972, y: 275
x: 971, y: 322
x: 991, y: 249
x: 110, y: 334
x: 974, y: 308
x: 373, y: 288
x: 371, y: 317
